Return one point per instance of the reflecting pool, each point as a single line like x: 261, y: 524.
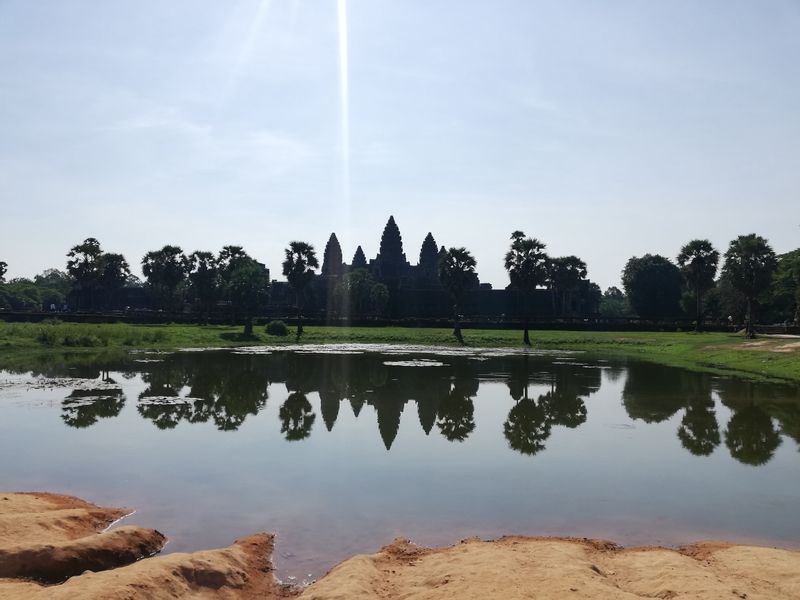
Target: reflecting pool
x: 339, y: 449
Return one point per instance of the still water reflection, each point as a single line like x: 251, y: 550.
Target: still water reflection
x: 327, y: 452
x: 226, y: 388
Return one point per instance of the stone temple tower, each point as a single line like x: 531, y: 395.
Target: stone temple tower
x: 332, y: 264
x: 359, y: 259
x: 391, y: 261
x: 429, y: 259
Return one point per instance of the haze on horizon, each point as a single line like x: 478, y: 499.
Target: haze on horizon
x: 605, y: 130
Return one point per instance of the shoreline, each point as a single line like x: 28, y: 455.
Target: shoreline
x: 55, y: 546
x: 768, y: 358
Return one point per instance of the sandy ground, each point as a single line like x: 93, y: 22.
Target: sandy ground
x: 781, y: 343
x: 57, y: 547
x: 533, y: 568
x: 54, y: 546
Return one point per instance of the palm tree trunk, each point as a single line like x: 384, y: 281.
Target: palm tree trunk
x: 750, y: 333
x: 526, y: 339
x: 299, y: 315
x: 697, y: 326
x: 457, y: 325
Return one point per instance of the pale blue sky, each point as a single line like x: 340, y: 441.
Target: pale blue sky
x: 606, y: 129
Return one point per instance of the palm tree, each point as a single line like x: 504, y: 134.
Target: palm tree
x: 698, y: 261
x: 749, y: 264
x: 527, y: 266
x: 457, y: 274
x: 298, y: 268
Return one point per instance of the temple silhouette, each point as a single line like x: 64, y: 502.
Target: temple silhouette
x: 415, y: 290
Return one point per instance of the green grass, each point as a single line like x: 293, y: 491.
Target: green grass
x: 713, y: 352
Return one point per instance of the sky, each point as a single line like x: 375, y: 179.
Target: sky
x: 605, y: 129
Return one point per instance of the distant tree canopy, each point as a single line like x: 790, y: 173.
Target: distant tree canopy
x: 97, y: 276
x: 47, y: 289
x: 358, y: 294
x: 785, y: 289
x: 165, y: 271
x: 204, y: 280
x: 613, y: 304
x: 56, y: 280
x: 528, y: 267
x: 20, y: 294
x: 653, y: 286
x: 3, y: 271
x: 248, y: 290
x: 698, y: 261
x: 749, y: 264
x: 457, y: 274
x: 298, y: 268
x: 565, y: 274
x: 114, y: 273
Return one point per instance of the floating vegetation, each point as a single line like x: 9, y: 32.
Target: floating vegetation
x: 420, y: 362
x: 166, y: 400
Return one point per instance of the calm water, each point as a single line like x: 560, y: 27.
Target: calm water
x: 342, y: 450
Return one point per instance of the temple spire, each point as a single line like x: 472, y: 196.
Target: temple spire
x: 429, y: 255
x: 332, y: 261
x: 391, y: 260
x: 391, y: 243
x: 359, y: 260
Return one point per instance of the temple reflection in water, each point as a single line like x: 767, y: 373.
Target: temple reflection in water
x: 226, y: 388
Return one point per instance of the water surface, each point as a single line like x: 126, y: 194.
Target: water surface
x: 342, y: 449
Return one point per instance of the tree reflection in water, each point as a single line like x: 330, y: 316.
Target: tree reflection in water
x: 297, y: 417
x: 527, y: 426
x: 222, y: 390
x: 655, y: 394
x: 530, y: 422
x: 83, y: 408
x: 699, y: 431
x: 751, y: 435
x: 456, y: 414
x: 225, y: 388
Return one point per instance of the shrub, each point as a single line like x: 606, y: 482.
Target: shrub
x: 277, y: 328
x: 83, y: 340
x: 48, y: 336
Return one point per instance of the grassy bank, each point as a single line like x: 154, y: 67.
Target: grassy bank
x: 766, y: 358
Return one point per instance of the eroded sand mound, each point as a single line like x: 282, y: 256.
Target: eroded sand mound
x: 50, y: 548
x: 529, y: 568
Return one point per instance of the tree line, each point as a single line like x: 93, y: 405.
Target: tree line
x: 752, y: 278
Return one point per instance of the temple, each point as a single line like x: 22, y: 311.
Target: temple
x: 414, y: 289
